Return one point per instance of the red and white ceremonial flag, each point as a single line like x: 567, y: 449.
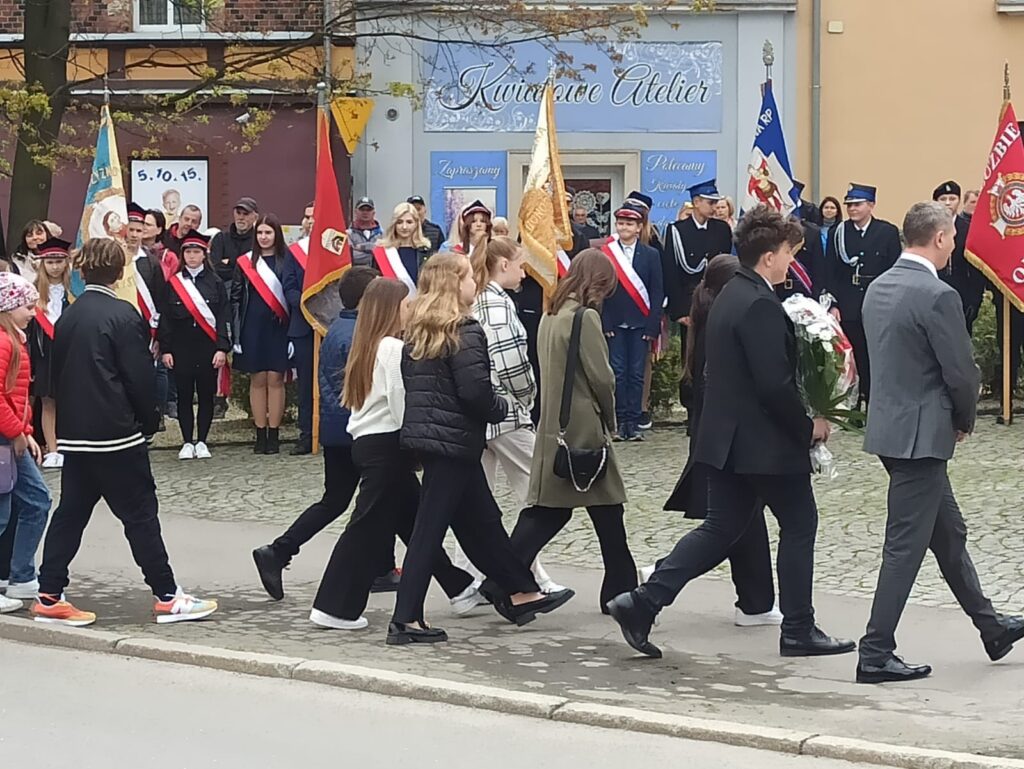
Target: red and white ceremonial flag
x: 995, y: 240
x: 328, y: 253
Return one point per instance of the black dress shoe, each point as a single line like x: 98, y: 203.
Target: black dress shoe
x: 1013, y: 631
x: 387, y: 583
x: 400, y: 634
x: 270, y: 567
x: 814, y: 644
x: 525, y: 613
x: 894, y: 670
x: 635, y: 622
x: 499, y: 602
x: 302, y: 447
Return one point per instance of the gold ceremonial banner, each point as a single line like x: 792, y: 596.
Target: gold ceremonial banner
x: 544, y: 213
x: 351, y: 115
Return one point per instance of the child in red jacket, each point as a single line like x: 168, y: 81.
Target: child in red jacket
x: 29, y: 499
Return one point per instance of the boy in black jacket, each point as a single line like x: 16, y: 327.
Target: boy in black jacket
x: 104, y: 384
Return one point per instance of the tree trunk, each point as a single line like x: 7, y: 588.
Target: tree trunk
x: 47, y: 35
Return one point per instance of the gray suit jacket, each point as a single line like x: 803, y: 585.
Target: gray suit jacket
x: 924, y: 383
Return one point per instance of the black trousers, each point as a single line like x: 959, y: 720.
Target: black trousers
x: 123, y: 479
x: 854, y: 331
x: 341, y: 477
x: 538, y: 525
x: 194, y: 373
x: 389, y: 495
x: 455, y: 493
x: 922, y: 515
x: 304, y: 386
x: 7, y: 547
x: 733, y: 502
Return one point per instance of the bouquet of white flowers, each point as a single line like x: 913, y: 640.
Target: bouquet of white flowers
x: 826, y: 372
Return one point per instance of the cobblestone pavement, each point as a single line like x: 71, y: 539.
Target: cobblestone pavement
x: 987, y: 474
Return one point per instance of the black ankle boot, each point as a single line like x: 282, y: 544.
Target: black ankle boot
x: 273, y: 441
x: 261, y: 441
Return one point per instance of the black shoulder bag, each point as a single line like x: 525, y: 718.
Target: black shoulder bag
x: 583, y: 467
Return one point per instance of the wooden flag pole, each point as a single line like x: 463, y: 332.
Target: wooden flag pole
x: 316, y: 391
x: 1007, y: 391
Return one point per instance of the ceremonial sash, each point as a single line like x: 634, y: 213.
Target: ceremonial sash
x: 44, y: 321
x: 267, y: 285
x: 300, y: 250
x: 389, y: 262
x: 628, y: 278
x: 146, y: 304
x: 563, y: 262
x: 197, y: 307
x: 801, y: 274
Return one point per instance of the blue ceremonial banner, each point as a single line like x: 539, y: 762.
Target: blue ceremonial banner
x: 671, y: 87
x: 665, y: 176
x: 459, y: 178
x: 769, y: 175
x: 106, y: 209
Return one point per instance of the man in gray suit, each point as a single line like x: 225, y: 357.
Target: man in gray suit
x: 924, y: 397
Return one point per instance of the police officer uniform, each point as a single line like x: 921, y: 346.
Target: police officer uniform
x: 853, y: 259
x: 688, y: 248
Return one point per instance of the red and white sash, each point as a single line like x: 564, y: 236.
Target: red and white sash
x: 389, y: 262
x: 45, y: 322
x: 145, y: 301
x: 300, y: 250
x: 197, y: 307
x: 801, y: 274
x: 267, y: 285
x: 563, y: 262
x: 628, y: 278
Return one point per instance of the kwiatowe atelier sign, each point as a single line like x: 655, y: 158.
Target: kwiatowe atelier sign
x: 661, y: 86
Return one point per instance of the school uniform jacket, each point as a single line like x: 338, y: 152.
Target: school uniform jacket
x: 620, y: 310
x: 178, y: 329
x: 875, y: 251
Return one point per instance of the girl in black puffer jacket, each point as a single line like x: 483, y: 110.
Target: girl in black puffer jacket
x: 449, y: 402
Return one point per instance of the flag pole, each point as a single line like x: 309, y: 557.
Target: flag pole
x: 1007, y: 308
x: 321, y: 101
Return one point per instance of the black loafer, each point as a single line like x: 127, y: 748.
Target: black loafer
x: 525, y: 613
x: 635, y: 622
x: 269, y: 567
x: 1013, y: 631
x: 400, y: 634
x: 894, y: 670
x: 815, y: 643
x: 387, y: 583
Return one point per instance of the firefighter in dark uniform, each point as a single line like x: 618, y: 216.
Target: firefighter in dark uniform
x: 859, y: 250
x: 689, y: 245
x: 807, y: 273
x: 968, y: 281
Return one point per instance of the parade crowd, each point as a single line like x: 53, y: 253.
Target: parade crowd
x: 448, y: 361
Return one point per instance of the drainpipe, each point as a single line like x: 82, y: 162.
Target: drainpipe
x: 816, y: 100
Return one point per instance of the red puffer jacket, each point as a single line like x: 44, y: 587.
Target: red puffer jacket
x: 15, y: 412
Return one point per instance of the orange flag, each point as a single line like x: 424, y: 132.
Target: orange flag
x: 329, y: 253
x: 995, y: 241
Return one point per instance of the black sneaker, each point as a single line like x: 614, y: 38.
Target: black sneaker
x: 220, y: 407
x: 270, y: 567
x: 645, y: 421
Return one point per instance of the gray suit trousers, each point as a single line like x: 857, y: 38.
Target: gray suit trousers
x: 923, y: 515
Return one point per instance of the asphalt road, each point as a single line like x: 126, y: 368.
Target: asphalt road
x: 66, y: 709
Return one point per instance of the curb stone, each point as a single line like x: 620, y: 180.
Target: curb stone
x: 496, y: 699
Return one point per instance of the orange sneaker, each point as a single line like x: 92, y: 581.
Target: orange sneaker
x: 61, y: 613
x: 182, y: 608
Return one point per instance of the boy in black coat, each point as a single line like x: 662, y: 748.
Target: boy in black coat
x: 104, y: 385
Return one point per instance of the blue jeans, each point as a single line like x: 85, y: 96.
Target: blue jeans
x: 29, y: 503
x: 627, y: 352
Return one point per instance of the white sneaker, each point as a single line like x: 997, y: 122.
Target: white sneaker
x: 644, y: 573
x: 202, y: 452
x: 52, y: 460
x: 188, y: 451
x: 26, y: 590
x: 773, y: 617
x: 9, y: 604
x: 323, y: 619
x: 467, y: 600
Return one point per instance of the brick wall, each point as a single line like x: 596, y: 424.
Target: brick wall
x: 104, y: 16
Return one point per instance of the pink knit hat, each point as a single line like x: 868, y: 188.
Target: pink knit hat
x: 15, y: 292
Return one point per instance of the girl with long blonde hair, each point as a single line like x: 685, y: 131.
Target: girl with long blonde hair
x: 449, y: 403
x: 403, y: 247
x: 53, y: 283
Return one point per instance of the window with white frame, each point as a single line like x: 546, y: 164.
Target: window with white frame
x: 169, y: 15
